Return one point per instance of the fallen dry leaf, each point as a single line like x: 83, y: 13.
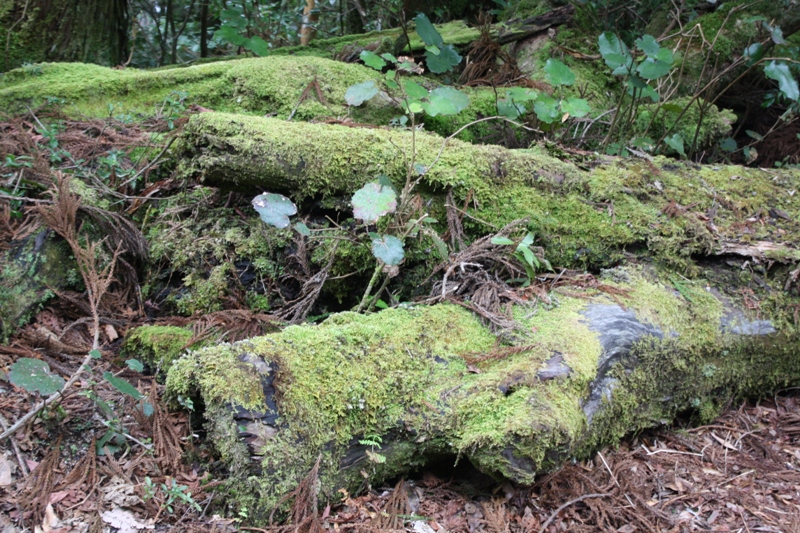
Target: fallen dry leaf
x: 124, y: 521
x: 6, y: 469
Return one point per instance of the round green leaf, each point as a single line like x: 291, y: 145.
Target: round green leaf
x: 427, y: 32
x: 546, y: 108
x: 372, y: 201
x: 258, y: 46
x: 372, y: 60
x: 651, y: 69
x: 510, y: 109
x: 230, y: 34
x: 648, y: 45
x: 444, y: 61
x: 34, y: 375
x: 576, y: 107
x: 302, y: 229
x: 777, y: 35
x: 360, y: 92
x: 558, y: 73
x: 614, y: 51
x: 446, y: 101
x: 274, y: 209
x: 522, y: 94
x: 665, y: 55
x: 414, y: 89
x: 728, y: 144
x: 135, y: 365
x: 753, y: 53
x: 388, y: 249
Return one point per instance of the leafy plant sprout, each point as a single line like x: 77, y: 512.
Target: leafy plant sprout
x: 378, y: 203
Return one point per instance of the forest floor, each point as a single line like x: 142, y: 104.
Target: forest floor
x: 98, y: 460
x: 741, y: 473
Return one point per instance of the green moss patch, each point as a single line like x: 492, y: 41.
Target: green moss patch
x: 156, y: 346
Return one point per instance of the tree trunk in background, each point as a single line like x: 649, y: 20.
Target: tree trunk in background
x: 204, y: 29
x: 93, y: 31
x: 310, y: 17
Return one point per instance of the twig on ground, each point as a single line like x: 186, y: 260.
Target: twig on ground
x: 22, y: 466
x: 571, y: 502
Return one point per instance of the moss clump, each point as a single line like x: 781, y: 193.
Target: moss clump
x: 156, y: 346
x: 210, y: 256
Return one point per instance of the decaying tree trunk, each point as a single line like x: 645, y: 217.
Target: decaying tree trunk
x: 678, y: 321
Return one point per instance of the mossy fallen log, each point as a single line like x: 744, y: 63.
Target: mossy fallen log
x: 300, y: 88
x: 588, y: 214
x: 381, y: 395
x: 701, y: 312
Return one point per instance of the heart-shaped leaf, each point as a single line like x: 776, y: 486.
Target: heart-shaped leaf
x: 258, y: 46
x: 576, y: 107
x: 510, y: 109
x: 753, y: 53
x: 34, y: 375
x: 302, y: 229
x: 546, y: 108
x: 360, y: 92
x: 614, y: 51
x: 135, y: 365
x: 676, y: 143
x: 728, y: 144
x: 274, y: 209
x: 651, y: 69
x: 521, y: 94
x: 648, y: 45
x: 414, y: 89
x: 372, y: 201
x: 229, y: 33
x: 446, y: 101
x: 388, y: 249
x: 558, y: 73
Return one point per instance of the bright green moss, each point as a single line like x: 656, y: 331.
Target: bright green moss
x: 156, y: 346
x: 220, y: 379
x: 261, y: 85
x: 582, y: 217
